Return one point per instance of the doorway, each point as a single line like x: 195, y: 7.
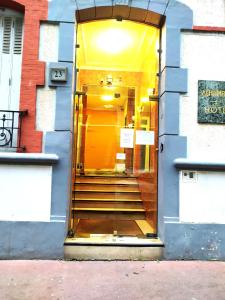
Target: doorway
x: 114, y: 188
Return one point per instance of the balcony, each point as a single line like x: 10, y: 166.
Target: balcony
x: 10, y: 130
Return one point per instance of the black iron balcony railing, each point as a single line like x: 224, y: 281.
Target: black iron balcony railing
x: 10, y: 129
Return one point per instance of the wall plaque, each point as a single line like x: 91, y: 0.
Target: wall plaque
x: 59, y: 74
x: 211, y: 102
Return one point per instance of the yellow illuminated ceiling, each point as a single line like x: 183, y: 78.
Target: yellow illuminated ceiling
x: 113, y: 45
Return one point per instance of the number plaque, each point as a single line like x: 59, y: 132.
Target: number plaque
x: 58, y: 74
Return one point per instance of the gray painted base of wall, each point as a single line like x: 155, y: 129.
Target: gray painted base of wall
x: 42, y: 240
x: 194, y: 241
x: 32, y: 240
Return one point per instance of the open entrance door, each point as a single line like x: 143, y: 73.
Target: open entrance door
x: 115, y: 131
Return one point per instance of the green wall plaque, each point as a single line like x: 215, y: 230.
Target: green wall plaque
x: 211, y: 102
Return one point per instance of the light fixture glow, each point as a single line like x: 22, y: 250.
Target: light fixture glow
x: 144, y: 100
x: 150, y: 91
x: 107, y: 98
x: 113, y: 40
x: 108, y: 106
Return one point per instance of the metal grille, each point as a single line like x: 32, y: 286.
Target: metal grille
x: 10, y: 129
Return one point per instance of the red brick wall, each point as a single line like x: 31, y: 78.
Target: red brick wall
x: 33, y: 71
x: 209, y: 28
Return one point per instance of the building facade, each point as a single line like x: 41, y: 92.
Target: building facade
x: 38, y: 84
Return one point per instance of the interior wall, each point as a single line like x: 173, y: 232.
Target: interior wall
x: 87, y: 76
x: 102, y: 139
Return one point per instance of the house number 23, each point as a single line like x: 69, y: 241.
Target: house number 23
x: 59, y: 74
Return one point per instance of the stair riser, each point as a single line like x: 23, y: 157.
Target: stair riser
x: 96, y: 252
x: 89, y: 204
x: 102, y: 177
x: 109, y: 215
x: 75, y: 199
x: 105, y: 188
x: 106, y: 181
x: 105, y: 185
x: 111, y: 195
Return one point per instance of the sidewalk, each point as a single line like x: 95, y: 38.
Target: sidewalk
x: 23, y: 280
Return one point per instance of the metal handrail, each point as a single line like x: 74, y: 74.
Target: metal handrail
x: 10, y: 129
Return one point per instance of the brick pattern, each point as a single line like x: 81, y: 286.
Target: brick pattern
x: 33, y: 71
x: 209, y: 28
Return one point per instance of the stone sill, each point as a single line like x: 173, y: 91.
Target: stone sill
x: 28, y: 158
x: 198, y: 165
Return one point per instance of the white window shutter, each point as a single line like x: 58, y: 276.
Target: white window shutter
x: 7, y: 35
x: 11, y: 43
x: 1, y: 34
x: 18, y: 36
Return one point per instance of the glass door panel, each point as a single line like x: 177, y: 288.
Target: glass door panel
x: 116, y: 131
x: 116, y: 165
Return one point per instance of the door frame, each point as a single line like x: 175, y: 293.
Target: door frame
x: 173, y: 82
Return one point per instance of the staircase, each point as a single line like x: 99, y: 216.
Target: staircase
x: 105, y: 197
x: 110, y: 198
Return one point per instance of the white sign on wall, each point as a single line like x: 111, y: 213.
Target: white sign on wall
x: 145, y: 137
x: 120, y: 156
x: 126, y: 138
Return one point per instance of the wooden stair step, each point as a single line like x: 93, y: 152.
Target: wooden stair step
x: 106, y: 184
x: 109, y: 213
x: 105, y: 196
x: 104, y: 188
x: 104, y: 191
x: 108, y: 204
x: 110, y: 209
x: 105, y: 181
x: 145, y: 226
x: 109, y: 199
x: 109, y: 176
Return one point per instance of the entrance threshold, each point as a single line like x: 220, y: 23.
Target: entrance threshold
x: 110, y: 247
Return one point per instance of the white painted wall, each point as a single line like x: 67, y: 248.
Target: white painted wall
x: 203, y: 200
x: 203, y: 56
x: 49, y: 41
x: 25, y: 193
x: 46, y: 99
x: 46, y: 96
x: 207, y: 12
